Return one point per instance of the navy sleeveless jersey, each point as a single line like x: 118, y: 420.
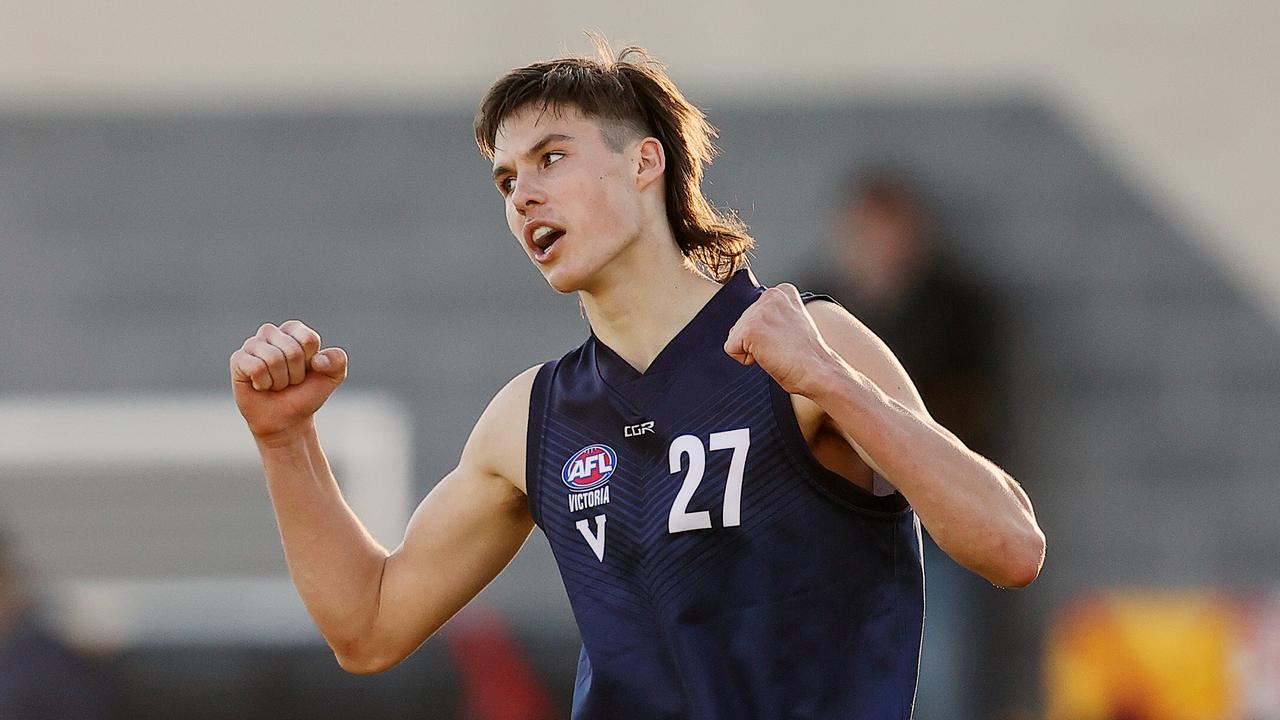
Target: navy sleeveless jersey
x: 717, y: 570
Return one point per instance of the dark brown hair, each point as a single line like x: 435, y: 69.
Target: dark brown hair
x: 634, y: 90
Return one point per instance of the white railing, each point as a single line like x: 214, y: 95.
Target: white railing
x: 146, y: 518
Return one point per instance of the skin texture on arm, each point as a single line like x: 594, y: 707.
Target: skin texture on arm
x: 464, y: 532
x: 373, y: 607
x: 843, y: 377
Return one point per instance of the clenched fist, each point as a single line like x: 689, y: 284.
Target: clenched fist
x: 280, y: 377
x: 777, y: 333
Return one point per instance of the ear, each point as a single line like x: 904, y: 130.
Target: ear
x: 651, y: 162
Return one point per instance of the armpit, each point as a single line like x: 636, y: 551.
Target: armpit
x: 828, y: 445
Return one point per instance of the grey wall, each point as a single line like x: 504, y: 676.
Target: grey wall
x: 136, y: 252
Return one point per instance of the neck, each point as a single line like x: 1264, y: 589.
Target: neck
x: 644, y: 300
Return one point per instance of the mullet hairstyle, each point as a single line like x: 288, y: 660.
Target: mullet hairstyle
x: 633, y: 90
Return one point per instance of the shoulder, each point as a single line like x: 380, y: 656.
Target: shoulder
x: 846, y: 334
x: 514, y: 396
x: 864, y: 351
x: 497, y: 443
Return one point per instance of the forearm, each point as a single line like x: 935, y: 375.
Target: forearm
x: 333, y: 561
x: 974, y: 510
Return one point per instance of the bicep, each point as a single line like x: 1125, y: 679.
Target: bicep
x: 866, y: 353
x: 858, y: 346
x: 464, y: 532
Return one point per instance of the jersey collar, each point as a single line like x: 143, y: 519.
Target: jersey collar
x: 714, y: 319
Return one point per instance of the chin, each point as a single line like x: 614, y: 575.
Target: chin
x: 568, y: 280
x: 562, y: 282
x: 562, y: 287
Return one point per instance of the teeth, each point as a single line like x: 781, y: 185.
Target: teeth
x: 541, y: 233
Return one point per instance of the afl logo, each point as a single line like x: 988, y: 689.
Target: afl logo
x: 589, y: 468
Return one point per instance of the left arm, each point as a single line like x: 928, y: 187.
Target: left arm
x: 974, y: 510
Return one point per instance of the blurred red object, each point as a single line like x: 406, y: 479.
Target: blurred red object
x: 498, y: 683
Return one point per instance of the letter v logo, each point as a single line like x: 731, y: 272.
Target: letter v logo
x: 596, y: 540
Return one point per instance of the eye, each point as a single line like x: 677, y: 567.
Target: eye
x: 551, y: 157
x: 507, y: 184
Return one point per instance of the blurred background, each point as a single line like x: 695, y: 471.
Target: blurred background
x: 1061, y: 216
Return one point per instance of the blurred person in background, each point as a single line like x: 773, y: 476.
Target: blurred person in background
x: 943, y: 326
x: 40, y: 677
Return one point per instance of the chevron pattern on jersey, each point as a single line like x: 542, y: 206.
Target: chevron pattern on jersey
x: 694, y: 601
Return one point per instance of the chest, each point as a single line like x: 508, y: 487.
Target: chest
x: 654, y: 465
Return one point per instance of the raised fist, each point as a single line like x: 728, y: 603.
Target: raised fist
x: 777, y: 333
x: 280, y: 377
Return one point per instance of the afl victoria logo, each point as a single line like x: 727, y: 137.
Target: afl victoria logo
x: 589, y: 468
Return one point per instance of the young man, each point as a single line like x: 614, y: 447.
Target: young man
x: 730, y: 479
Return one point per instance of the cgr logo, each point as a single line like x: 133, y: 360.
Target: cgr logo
x: 589, y: 468
x: 636, y: 430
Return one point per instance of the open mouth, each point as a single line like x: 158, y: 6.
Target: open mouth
x: 544, y: 237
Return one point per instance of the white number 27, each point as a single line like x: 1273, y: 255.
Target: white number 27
x: 738, y: 440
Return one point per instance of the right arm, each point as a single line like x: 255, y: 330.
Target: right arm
x: 374, y: 607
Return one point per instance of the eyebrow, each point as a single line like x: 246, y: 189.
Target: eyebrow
x: 501, y: 170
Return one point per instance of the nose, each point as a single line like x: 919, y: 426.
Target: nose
x: 527, y: 194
